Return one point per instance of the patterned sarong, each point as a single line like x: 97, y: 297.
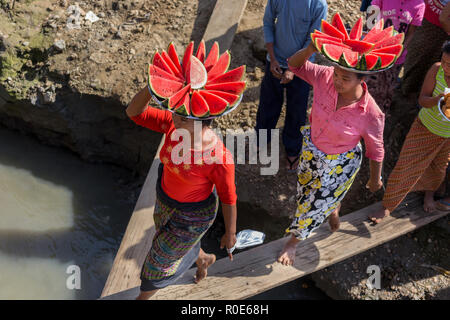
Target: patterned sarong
x: 421, y: 165
x: 176, y: 244
x: 323, y: 181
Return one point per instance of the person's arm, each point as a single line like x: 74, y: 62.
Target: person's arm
x: 375, y: 182
x: 229, y: 238
x: 139, y: 103
x: 269, y: 37
x: 444, y: 18
x: 300, y: 57
x: 426, y: 98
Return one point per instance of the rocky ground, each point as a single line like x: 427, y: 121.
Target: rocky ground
x: 83, y: 61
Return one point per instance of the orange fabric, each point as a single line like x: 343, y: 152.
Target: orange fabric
x: 194, y: 181
x: 421, y: 165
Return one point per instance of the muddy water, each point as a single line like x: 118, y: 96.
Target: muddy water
x: 56, y: 211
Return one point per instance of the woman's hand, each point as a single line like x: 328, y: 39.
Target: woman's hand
x: 228, y: 241
x: 287, y: 77
x: 374, y: 184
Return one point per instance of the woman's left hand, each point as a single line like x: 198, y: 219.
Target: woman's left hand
x: 228, y: 241
x: 374, y: 185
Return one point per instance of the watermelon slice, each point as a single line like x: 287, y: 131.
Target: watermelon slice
x: 213, y: 56
x: 386, y: 33
x: 164, y: 88
x: 386, y: 59
x: 174, y: 100
x: 200, y: 55
x: 184, y: 106
x: 221, y: 66
x: 349, y: 58
x: 397, y: 39
x: 317, y: 35
x: 319, y: 42
x: 331, y: 31
x: 336, y: 21
x: 231, y: 87
x: 369, y: 62
x: 187, y: 57
x: 159, y: 62
x: 333, y: 51
x: 171, y: 65
x: 197, y: 76
x: 359, y: 46
x: 356, y: 32
x: 231, y: 76
x: 199, y: 106
x: 158, y: 72
x: 395, y: 49
x: 174, y: 56
x: 378, y: 27
x: 232, y: 99
x: 216, y: 104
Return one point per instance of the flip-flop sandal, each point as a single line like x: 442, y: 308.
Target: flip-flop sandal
x: 290, y: 169
x: 443, y: 205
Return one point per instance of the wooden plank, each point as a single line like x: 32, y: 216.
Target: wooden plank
x: 137, y: 239
x: 124, y: 275
x: 223, y: 23
x: 256, y: 270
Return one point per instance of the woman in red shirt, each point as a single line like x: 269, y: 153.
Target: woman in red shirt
x: 186, y: 205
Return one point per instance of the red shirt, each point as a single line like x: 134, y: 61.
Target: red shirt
x: 338, y: 131
x: 433, y: 9
x: 194, y: 178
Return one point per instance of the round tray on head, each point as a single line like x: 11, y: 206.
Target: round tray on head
x: 359, y: 71
x: 196, y: 118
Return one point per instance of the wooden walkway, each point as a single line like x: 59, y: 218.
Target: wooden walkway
x: 137, y: 239
x: 256, y: 270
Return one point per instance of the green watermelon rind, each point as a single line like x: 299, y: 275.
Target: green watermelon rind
x: 206, y: 114
x: 212, y: 76
x: 343, y: 61
x: 328, y: 54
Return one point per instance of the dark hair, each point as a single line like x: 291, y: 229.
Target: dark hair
x: 446, y: 47
x: 207, y: 123
x: 360, y: 75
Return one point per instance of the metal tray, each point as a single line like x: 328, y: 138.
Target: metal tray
x: 359, y: 71
x: 161, y: 106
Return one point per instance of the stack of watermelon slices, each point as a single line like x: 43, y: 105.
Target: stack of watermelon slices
x: 200, y: 86
x: 376, y: 51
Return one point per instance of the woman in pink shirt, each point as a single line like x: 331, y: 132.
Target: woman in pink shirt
x: 343, y: 112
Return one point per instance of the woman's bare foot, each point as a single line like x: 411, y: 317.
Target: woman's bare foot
x: 203, y: 262
x: 429, y: 205
x: 145, y: 295
x: 334, y: 221
x: 378, y: 215
x: 287, y: 256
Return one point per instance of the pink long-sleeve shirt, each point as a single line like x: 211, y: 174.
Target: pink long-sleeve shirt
x: 338, y: 131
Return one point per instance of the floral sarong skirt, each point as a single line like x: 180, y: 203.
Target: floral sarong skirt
x: 323, y: 181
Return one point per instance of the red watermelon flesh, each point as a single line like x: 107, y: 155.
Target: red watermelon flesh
x: 231, y: 87
x: 174, y: 57
x: 386, y: 59
x: 386, y: 33
x: 174, y: 100
x: 379, y: 25
x: 164, y: 88
x: 213, y: 56
x: 221, y: 66
x: 229, y: 97
x: 230, y: 76
x: 199, y: 106
x: 331, y: 31
x: 371, y: 61
x: 333, y: 51
x: 158, y: 72
x: 377, y: 28
x: 183, y: 107
x: 216, y: 104
x: 336, y: 21
x: 315, y: 36
x: 397, y: 39
x: 395, y: 49
x: 171, y: 65
x: 319, y: 42
x: 356, y: 32
x: 160, y: 63
x: 359, y: 46
x: 349, y: 58
x: 200, y: 55
x: 187, y: 57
